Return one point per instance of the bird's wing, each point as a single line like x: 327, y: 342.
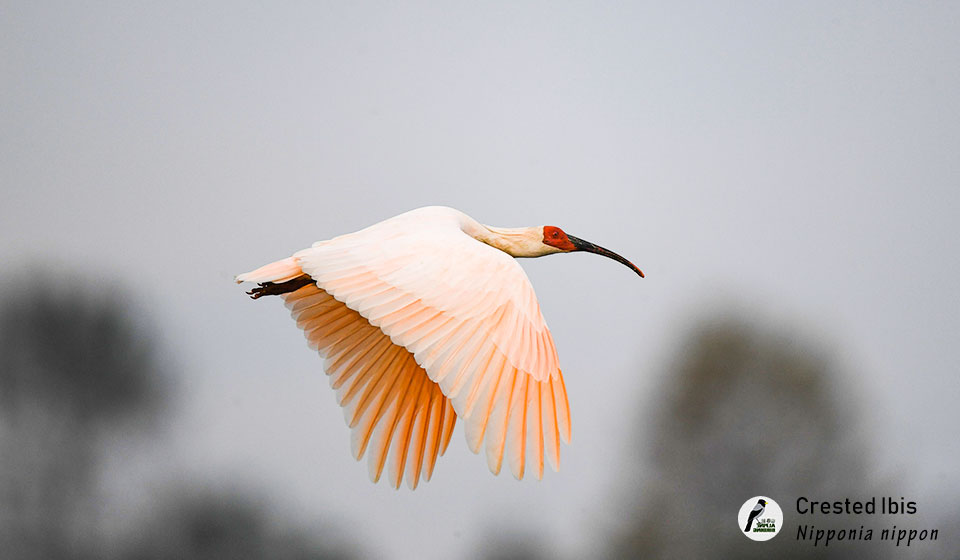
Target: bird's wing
x: 386, y: 397
x: 468, y: 314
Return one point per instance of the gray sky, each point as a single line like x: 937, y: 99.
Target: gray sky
x: 798, y: 160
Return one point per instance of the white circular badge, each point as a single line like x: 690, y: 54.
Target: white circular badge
x: 760, y: 518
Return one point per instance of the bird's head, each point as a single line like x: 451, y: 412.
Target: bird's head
x: 557, y: 241
x: 762, y: 502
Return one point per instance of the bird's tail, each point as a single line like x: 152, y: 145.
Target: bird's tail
x: 275, y: 272
x: 747, y: 528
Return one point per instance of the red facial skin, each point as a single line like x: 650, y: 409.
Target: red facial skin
x: 554, y: 237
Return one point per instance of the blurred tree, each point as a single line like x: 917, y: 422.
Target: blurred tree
x: 76, y: 365
x: 206, y: 526
x: 748, y: 412
x: 73, y: 364
x: 506, y: 544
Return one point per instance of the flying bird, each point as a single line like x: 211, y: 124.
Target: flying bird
x: 755, y: 513
x: 425, y: 318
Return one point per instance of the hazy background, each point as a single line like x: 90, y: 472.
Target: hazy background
x: 786, y: 175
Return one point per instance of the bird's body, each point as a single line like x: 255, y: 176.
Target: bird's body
x: 756, y: 512
x: 425, y: 318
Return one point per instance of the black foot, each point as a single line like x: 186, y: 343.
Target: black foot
x: 258, y: 292
x: 271, y: 289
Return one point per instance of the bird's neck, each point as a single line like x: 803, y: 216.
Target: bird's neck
x: 516, y: 242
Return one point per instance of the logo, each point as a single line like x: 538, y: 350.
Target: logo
x: 760, y: 518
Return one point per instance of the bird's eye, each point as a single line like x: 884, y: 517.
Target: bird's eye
x: 555, y: 235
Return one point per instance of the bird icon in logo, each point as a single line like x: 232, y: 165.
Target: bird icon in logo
x: 757, y: 510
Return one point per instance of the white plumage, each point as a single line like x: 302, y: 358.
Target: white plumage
x: 425, y: 318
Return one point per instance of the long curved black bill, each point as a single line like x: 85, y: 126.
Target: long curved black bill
x: 582, y: 245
